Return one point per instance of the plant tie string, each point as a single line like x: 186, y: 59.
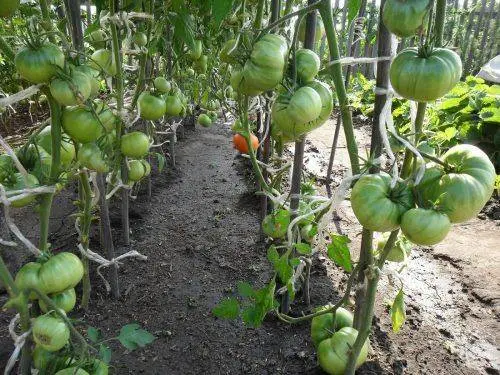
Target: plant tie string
x: 104, y: 263
x: 19, y: 342
x: 18, y: 96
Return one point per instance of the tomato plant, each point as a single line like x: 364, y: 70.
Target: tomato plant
x: 72, y: 90
x: 150, y: 106
x: 324, y: 326
x: 81, y: 124
x: 240, y: 143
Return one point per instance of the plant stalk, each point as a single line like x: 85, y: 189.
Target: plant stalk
x: 86, y: 220
x: 336, y: 73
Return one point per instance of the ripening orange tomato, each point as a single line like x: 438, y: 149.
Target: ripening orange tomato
x: 240, y: 143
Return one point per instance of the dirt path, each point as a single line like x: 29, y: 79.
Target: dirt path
x: 201, y: 234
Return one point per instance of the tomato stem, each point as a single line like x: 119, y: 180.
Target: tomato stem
x: 86, y: 220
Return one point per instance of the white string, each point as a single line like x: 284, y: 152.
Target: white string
x: 19, y: 342
x: 18, y: 96
x: 103, y: 262
x: 357, y: 60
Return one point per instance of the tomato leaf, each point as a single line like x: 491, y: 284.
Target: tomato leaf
x: 161, y: 161
x: 353, y: 9
x: 183, y: 30
x: 264, y: 302
x: 93, y: 334
x: 227, y: 309
x: 398, y: 311
x: 338, y: 251
x: 220, y: 9
x: 133, y: 336
x: 303, y: 248
x: 272, y: 254
x: 245, y: 289
x: 105, y: 353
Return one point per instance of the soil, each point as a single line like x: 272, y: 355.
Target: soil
x: 200, y: 232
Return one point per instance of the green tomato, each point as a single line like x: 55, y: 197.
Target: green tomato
x: 264, y: 70
x: 81, y: 124
x: 138, y: 169
x: 97, y: 39
x: 102, y: 60
x: 44, y: 139
x: 320, y: 29
x: 134, y: 144
x: 425, y: 227
x: 333, y: 353
x: 65, y: 300
x: 404, y: 18
x: 150, y: 107
x: 204, y: 120
x: 307, y: 64
x: 73, y: 91
x: 39, y: 64
x: 60, y: 272
x: 91, y: 156
x: 105, y: 115
x: 290, y: 114
x: 8, y: 7
x: 72, y: 371
x: 463, y: 189
x: 140, y: 39
x: 399, y: 252
x: 162, y: 85
x: 286, y: 129
x: 425, y: 78
x: 173, y: 105
x: 93, y: 76
x: 275, y: 225
x: 196, y: 51
x: 19, y: 182
x: 376, y: 205
x: 27, y: 277
x: 324, y: 326
x: 50, y: 333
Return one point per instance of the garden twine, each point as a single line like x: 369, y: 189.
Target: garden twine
x: 19, y: 342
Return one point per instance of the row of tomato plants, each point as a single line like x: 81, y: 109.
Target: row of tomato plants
x: 93, y: 136
x: 414, y: 207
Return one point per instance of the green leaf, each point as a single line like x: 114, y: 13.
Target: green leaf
x: 105, y: 353
x: 220, y: 9
x: 272, y: 254
x: 338, y: 251
x: 353, y: 9
x: 398, y: 311
x: 490, y: 114
x: 264, y: 302
x: 183, y: 30
x: 303, y: 248
x: 161, y: 161
x: 283, y: 268
x: 227, y: 309
x: 133, y: 336
x: 93, y: 334
x: 245, y: 289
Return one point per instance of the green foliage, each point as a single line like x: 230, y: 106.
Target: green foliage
x: 338, y: 251
x: 470, y: 113
x: 255, y: 304
x: 361, y: 94
x: 132, y: 336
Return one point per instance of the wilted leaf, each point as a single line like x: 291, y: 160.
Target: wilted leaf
x: 398, y: 311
